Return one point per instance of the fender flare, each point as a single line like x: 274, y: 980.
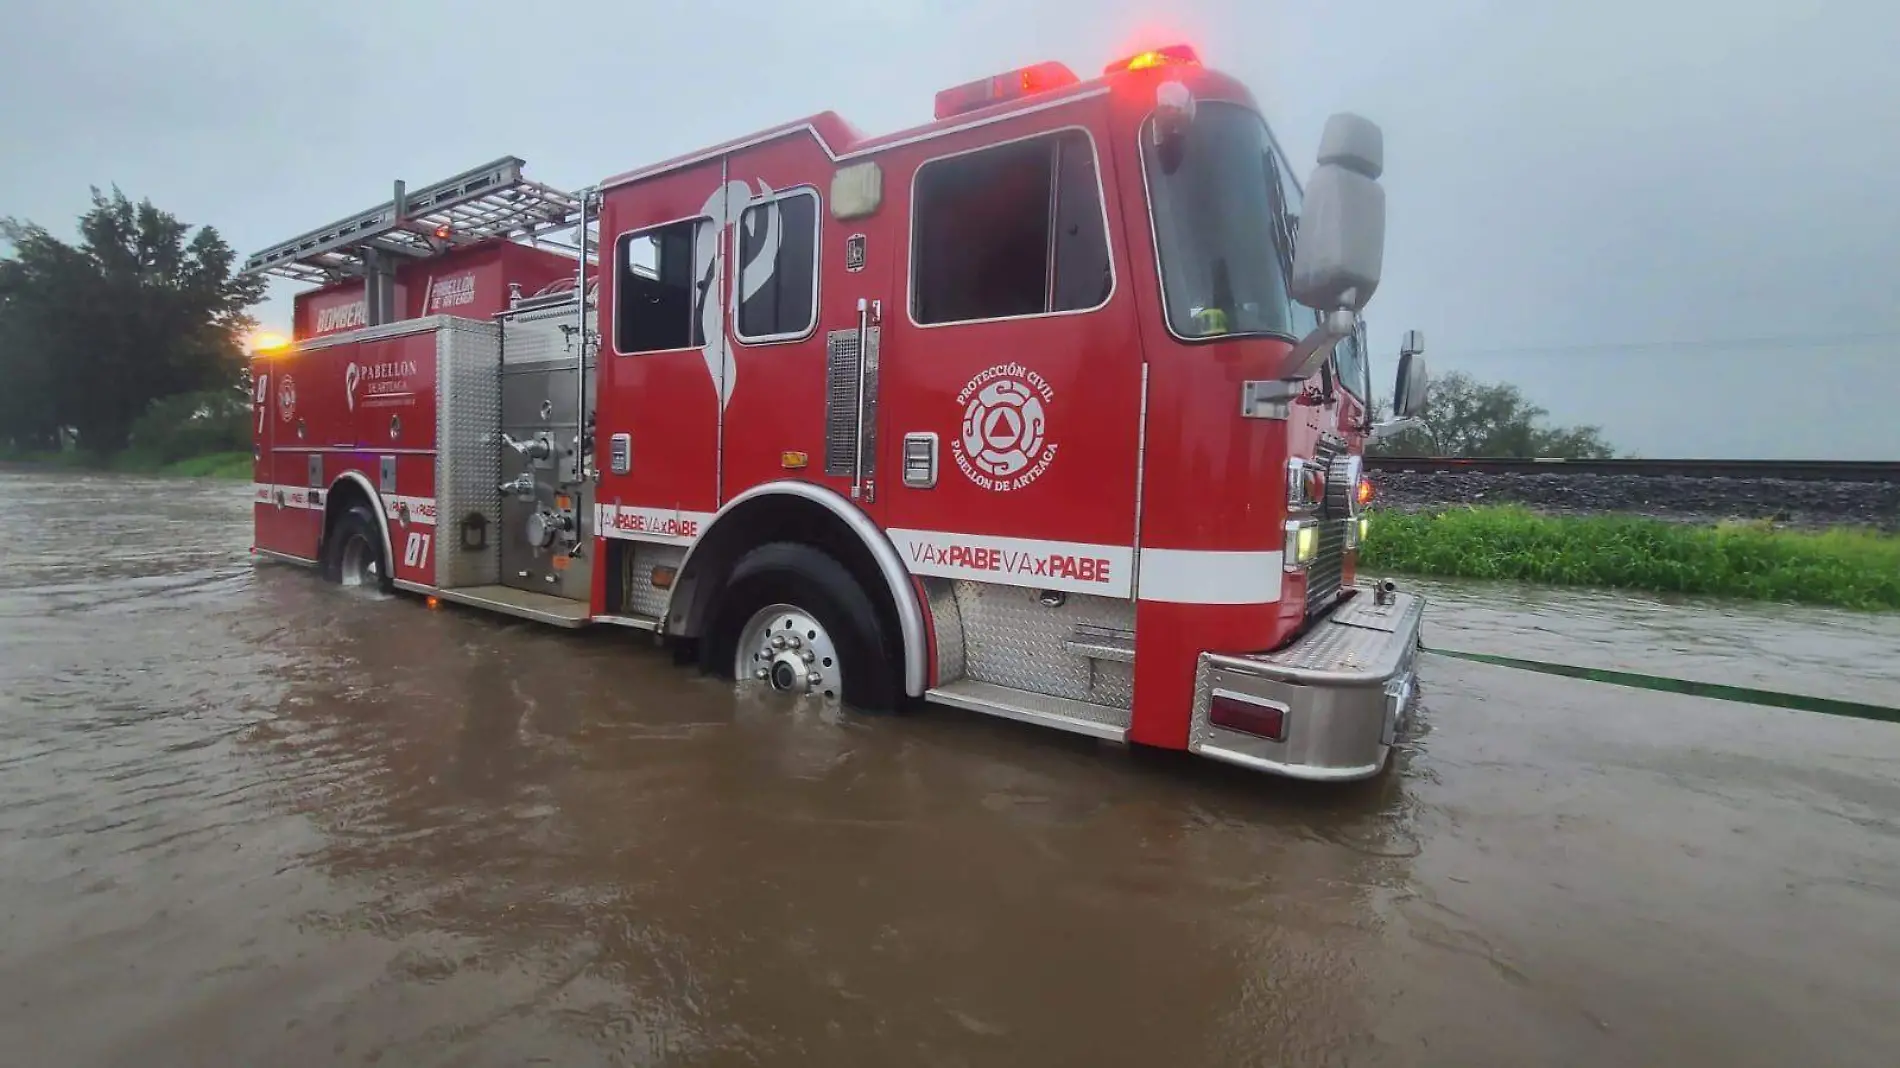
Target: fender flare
x: 376, y: 505
x: 897, y: 578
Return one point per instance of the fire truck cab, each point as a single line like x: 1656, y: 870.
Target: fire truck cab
x: 1051, y: 409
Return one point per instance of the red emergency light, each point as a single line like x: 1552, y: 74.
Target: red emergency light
x: 1172, y: 56
x: 1011, y: 85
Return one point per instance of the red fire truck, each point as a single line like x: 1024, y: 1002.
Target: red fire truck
x: 1039, y: 410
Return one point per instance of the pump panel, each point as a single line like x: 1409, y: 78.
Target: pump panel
x: 547, y: 505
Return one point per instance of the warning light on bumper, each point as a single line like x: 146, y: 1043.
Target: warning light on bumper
x: 1249, y: 715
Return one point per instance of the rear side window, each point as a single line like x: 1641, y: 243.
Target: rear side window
x: 778, y: 267
x: 1009, y: 231
x: 659, y: 289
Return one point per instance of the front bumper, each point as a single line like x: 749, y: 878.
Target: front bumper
x: 1346, y: 687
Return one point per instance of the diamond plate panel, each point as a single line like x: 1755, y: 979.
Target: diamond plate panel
x: 468, y: 460
x: 946, y: 623
x: 643, y: 597
x: 1012, y: 639
x: 1360, y: 637
x: 544, y: 335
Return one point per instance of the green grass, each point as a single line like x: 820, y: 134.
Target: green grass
x: 229, y: 465
x: 225, y: 465
x: 1846, y: 568
x: 68, y: 459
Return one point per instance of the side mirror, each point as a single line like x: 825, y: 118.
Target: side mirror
x: 1341, y: 249
x: 1174, y: 117
x: 1411, y: 392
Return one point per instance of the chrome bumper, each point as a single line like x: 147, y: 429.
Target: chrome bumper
x: 1346, y: 688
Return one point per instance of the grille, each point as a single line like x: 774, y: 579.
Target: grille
x: 1323, y: 575
x: 1328, y: 568
x: 841, y: 402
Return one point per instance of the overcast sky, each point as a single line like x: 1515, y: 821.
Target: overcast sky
x: 1676, y: 219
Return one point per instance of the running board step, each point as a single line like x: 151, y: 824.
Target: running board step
x: 637, y: 622
x: 1079, y: 717
x: 523, y: 604
x: 1102, y: 643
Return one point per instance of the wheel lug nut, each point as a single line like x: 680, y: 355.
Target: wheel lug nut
x: 778, y: 641
x: 814, y: 679
x: 808, y: 656
x: 762, y: 674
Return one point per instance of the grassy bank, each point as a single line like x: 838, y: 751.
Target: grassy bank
x: 1846, y: 568
x: 226, y: 465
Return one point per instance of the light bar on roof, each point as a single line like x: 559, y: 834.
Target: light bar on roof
x: 1179, y: 55
x: 1010, y: 85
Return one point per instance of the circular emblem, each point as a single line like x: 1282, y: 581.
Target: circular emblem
x: 287, y: 397
x: 1004, y: 443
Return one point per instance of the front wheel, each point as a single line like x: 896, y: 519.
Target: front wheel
x: 353, y: 551
x: 793, y: 620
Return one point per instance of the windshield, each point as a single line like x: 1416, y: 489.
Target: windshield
x: 1222, y: 226
x: 1355, y: 373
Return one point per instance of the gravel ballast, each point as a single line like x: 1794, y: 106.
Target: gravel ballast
x: 1795, y: 503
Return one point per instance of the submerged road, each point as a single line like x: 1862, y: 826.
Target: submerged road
x: 249, y: 819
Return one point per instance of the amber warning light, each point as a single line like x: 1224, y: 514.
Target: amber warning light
x: 1171, y: 56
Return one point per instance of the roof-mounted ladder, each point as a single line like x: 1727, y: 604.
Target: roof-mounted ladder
x: 477, y: 205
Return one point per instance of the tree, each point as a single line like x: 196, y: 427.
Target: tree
x: 26, y: 422
x: 1466, y: 417
x: 139, y: 309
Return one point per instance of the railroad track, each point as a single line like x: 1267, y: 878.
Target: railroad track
x: 1795, y: 470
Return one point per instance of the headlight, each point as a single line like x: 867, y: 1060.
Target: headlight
x: 1302, y: 543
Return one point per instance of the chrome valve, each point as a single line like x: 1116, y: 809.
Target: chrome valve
x: 536, y: 448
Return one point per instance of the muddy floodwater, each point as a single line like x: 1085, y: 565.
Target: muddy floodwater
x: 248, y: 819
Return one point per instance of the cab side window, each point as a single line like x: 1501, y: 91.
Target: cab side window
x: 659, y: 290
x: 778, y: 268
x: 1009, y: 231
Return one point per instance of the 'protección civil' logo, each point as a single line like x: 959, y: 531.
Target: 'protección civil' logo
x: 1004, y: 444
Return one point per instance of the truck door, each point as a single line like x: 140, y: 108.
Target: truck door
x: 665, y: 369
x: 1010, y: 390
x: 808, y: 278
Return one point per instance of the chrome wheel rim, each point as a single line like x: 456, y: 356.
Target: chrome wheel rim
x: 785, y: 648
x: 358, y: 566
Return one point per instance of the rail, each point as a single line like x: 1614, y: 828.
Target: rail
x: 488, y: 202
x: 1792, y: 470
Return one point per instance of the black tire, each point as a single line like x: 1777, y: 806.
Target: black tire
x: 795, y: 574
x: 353, y: 541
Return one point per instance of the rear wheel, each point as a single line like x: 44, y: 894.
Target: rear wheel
x: 353, y: 551
x: 793, y: 621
